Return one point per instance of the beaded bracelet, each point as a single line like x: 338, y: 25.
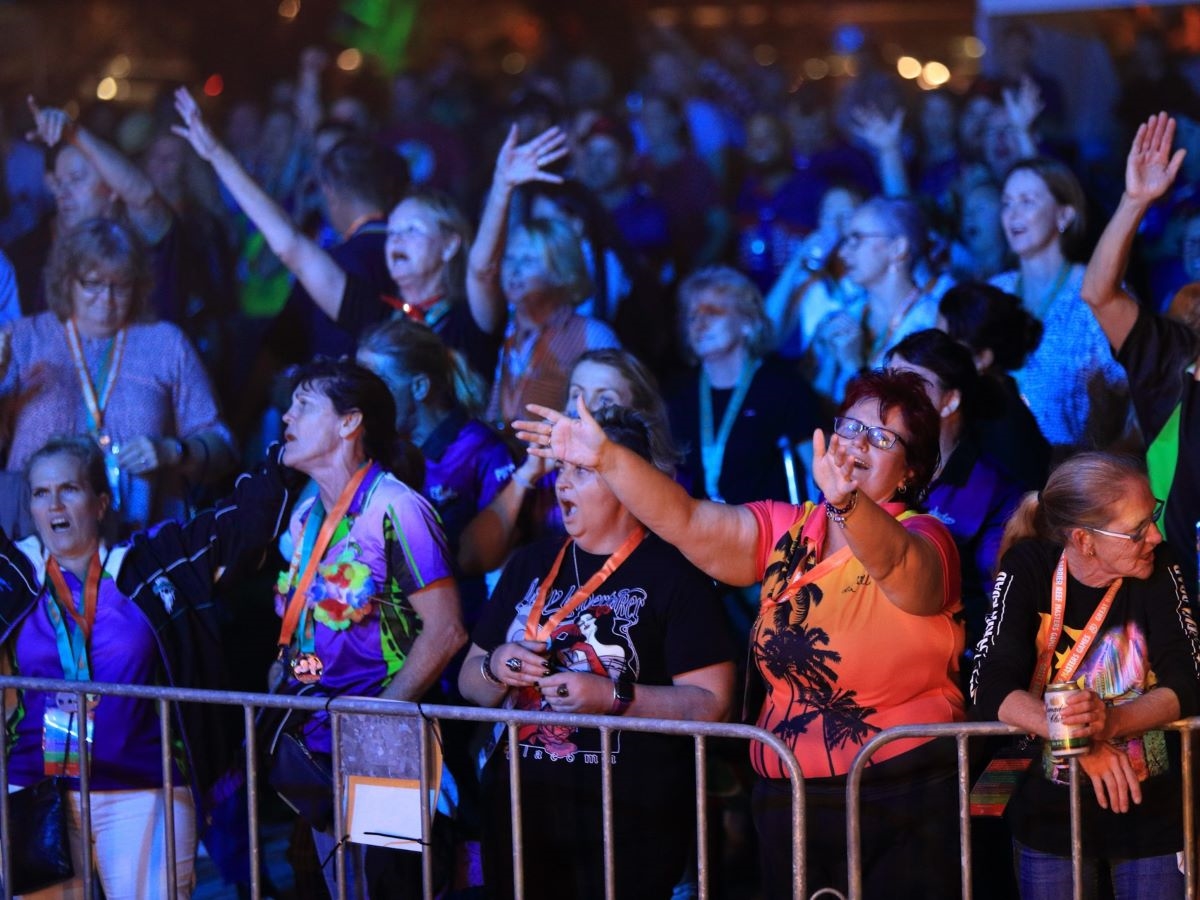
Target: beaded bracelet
x: 839, y: 514
x: 485, y: 669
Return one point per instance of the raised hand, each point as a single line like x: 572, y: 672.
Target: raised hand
x: 1024, y: 104
x: 879, y: 132
x: 580, y: 441
x: 833, y: 468
x: 521, y: 164
x: 1150, y: 168
x: 193, y: 130
x: 50, y: 125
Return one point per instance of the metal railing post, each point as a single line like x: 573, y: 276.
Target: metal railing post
x: 85, y: 795
x: 514, y: 792
x: 702, y: 874
x: 252, y: 800
x: 426, y: 815
x: 168, y: 793
x: 964, y: 815
x: 606, y: 815
x: 339, y: 848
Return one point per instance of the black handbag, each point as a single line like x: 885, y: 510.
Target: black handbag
x: 41, y: 847
x: 301, y: 778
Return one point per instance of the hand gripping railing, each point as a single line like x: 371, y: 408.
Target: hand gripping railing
x: 961, y: 732
x: 700, y: 732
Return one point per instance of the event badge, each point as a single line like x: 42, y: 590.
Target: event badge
x: 60, y: 733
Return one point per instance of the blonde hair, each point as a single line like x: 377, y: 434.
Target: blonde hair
x: 1080, y: 493
x: 559, y: 246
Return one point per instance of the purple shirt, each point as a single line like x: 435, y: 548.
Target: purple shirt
x: 161, y: 389
x: 466, y: 465
x: 389, y: 546
x: 125, y: 750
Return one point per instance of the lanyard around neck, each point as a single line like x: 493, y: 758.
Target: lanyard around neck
x: 1048, y: 298
x: 712, y: 448
x: 534, y: 632
x: 96, y: 401
x: 1058, y: 605
x: 73, y: 643
x: 318, y: 532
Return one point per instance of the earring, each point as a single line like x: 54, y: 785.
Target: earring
x: 903, y: 489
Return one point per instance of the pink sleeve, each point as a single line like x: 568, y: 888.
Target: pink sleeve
x: 939, y: 535
x: 773, y: 518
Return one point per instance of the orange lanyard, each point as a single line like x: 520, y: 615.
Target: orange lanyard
x: 534, y: 632
x: 1058, y: 605
x: 73, y: 653
x: 94, y: 400
x: 316, y: 550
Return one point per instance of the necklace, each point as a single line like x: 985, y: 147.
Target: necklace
x: 575, y: 559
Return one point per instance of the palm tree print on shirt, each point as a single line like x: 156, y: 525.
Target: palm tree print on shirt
x: 800, y: 657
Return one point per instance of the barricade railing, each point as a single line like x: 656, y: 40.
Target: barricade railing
x: 961, y: 733
x: 426, y: 715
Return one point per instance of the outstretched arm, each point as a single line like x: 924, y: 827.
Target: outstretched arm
x: 719, y: 539
x: 514, y: 166
x: 1150, y: 169
x: 149, y: 214
x: 324, y: 280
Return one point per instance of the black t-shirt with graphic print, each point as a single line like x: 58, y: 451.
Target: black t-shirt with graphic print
x: 655, y: 617
x: 1147, y: 642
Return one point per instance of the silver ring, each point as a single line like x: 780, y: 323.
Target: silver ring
x: 513, y: 664
x: 562, y: 691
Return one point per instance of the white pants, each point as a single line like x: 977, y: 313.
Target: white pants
x: 128, y: 846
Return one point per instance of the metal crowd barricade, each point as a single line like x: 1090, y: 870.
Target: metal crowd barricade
x: 700, y: 732
x: 961, y: 732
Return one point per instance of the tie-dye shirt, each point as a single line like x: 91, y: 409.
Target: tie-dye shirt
x: 840, y: 661
x: 388, y: 546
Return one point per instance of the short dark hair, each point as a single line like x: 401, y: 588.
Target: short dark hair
x: 946, y: 358
x: 359, y: 168
x: 350, y: 388
x: 628, y: 428
x: 984, y: 317
x: 97, y: 243
x: 82, y: 448
x: 905, y: 392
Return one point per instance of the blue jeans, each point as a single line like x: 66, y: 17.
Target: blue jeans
x: 1044, y: 876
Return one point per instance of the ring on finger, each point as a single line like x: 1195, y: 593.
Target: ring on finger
x: 513, y: 664
x: 563, y: 691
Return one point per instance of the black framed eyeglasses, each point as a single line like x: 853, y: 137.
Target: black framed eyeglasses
x: 1140, y: 534
x: 877, y: 435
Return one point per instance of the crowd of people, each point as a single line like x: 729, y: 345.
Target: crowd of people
x: 819, y: 388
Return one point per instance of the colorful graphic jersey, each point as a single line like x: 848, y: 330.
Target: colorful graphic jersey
x: 388, y: 546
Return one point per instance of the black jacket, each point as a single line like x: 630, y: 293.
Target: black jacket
x: 171, y: 574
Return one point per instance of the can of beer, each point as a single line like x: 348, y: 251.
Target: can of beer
x: 1065, y: 740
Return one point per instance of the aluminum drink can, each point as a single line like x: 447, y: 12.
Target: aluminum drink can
x: 1065, y: 740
